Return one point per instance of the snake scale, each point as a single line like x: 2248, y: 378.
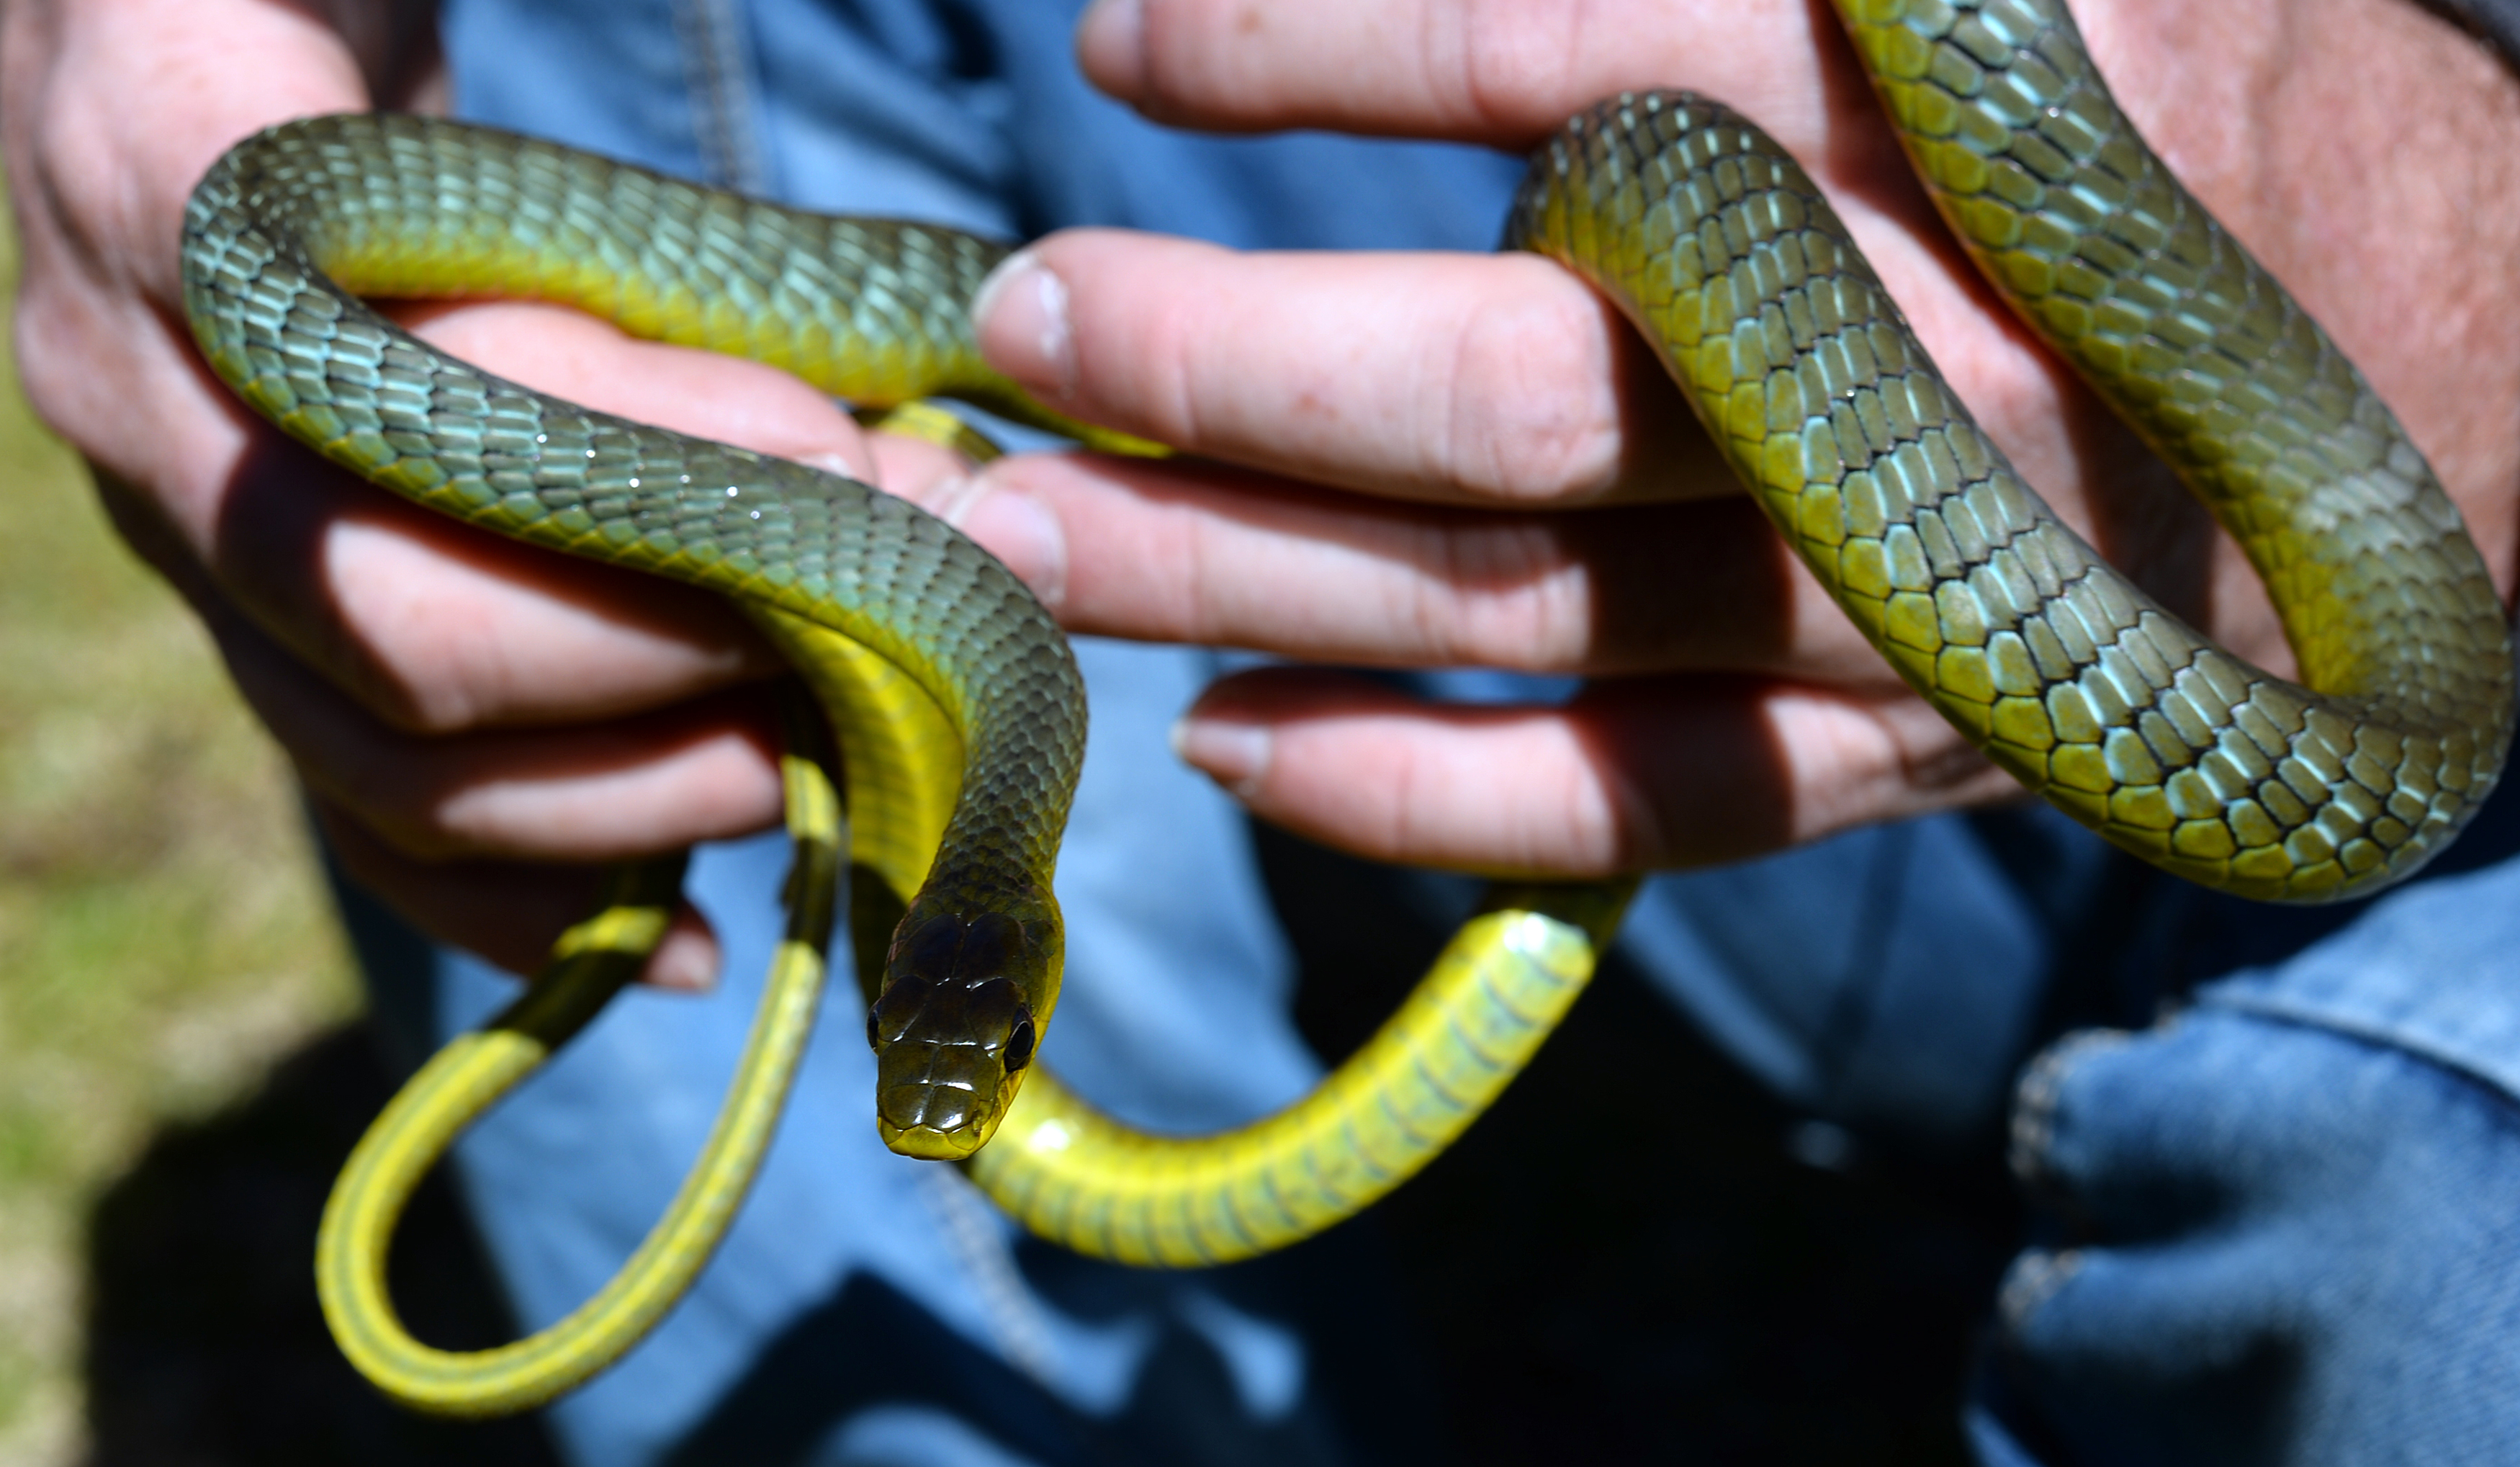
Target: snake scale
x: 959, y: 717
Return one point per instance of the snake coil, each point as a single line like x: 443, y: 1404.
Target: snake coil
x: 960, y: 717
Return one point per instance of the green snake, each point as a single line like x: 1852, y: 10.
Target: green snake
x: 958, y: 714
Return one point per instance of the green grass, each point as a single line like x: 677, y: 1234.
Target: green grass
x: 163, y: 933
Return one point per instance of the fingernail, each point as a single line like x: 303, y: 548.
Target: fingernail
x: 1111, y: 46
x: 1234, y: 754
x: 1020, y: 315
x: 1012, y: 525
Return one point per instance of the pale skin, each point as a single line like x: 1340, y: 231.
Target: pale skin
x: 1405, y: 460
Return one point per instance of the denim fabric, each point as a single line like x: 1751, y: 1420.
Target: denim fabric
x: 1890, y: 982
x: 2275, y: 1226
x: 2278, y: 1242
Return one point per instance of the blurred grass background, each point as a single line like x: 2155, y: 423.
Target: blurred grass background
x: 165, y: 937
x: 181, y: 1067
x: 163, y: 933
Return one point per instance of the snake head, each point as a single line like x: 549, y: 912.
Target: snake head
x: 964, y: 998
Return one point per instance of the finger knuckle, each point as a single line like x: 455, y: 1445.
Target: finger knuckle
x: 47, y: 342
x: 1514, y: 599
x: 1531, y: 411
x: 1510, y: 59
x: 1186, y: 50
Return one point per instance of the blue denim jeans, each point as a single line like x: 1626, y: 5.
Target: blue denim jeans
x: 2265, y: 1153
x: 2275, y: 1224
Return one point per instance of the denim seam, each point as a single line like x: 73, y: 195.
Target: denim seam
x: 2040, y: 1091
x: 976, y: 1233
x: 717, y: 66
x: 2036, y: 1274
x: 2031, y: 1282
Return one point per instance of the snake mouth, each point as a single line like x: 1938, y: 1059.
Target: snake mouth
x: 935, y: 1117
x: 928, y: 1143
x: 939, y: 1120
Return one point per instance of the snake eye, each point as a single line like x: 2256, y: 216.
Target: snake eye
x: 874, y: 1039
x: 1019, y: 1044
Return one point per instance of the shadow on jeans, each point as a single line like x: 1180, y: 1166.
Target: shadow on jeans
x: 204, y: 1345
x: 1639, y: 1255
x: 1796, y: 1308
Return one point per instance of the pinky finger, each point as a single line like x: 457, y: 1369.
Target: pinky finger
x: 1629, y: 775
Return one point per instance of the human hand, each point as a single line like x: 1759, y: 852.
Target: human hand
x: 478, y: 723
x: 1443, y: 460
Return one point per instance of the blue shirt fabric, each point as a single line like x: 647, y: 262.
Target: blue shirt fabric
x: 2217, y: 1264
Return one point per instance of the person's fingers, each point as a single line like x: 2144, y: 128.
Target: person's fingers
x: 1630, y: 775
x: 1505, y: 383
x: 2362, y: 148
x: 1495, y: 72
x: 623, y: 787
x: 1536, y: 403
x: 354, y: 622
x: 1474, y: 379
x: 592, y: 364
x: 1479, y: 378
x: 508, y: 912
x: 431, y: 626
x: 434, y: 626
x: 1203, y: 554
x: 1494, y: 380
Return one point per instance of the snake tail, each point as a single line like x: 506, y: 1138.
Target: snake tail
x: 1080, y: 1179
x: 2062, y: 671
x: 588, y: 966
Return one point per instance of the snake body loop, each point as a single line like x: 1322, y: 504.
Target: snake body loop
x: 1727, y: 257
x: 588, y: 965
x: 958, y: 711
x: 288, y: 230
